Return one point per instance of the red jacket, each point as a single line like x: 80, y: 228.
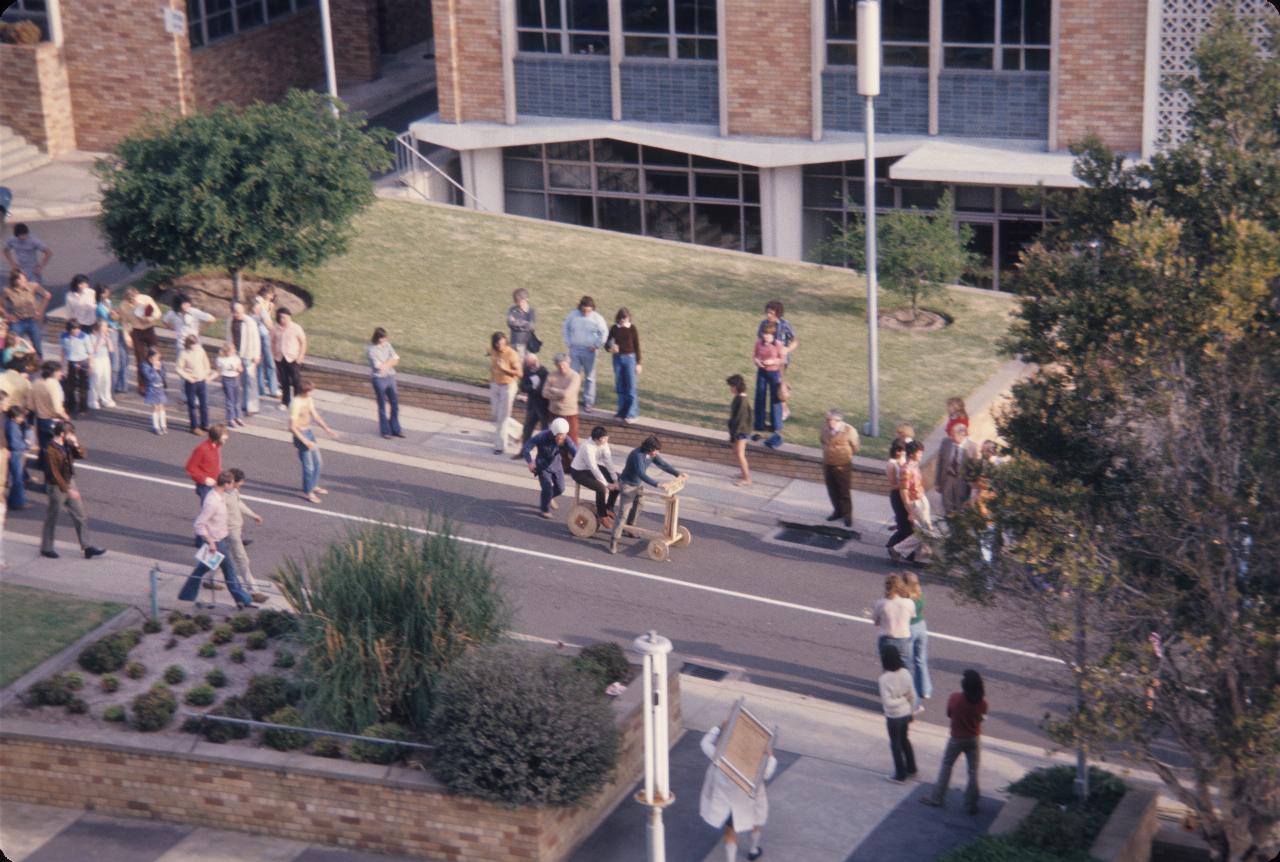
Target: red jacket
x: 205, y: 463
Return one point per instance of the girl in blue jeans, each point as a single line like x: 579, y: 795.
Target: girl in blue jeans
x: 624, y: 344
x: 302, y: 412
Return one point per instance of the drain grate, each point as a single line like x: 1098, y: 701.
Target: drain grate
x: 701, y: 671
x: 823, y: 541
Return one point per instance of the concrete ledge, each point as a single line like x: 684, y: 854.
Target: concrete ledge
x: 1129, y: 831
x: 1013, y: 813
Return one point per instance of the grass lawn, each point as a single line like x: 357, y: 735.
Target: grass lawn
x: 37, y: 624
x: 440, y: 280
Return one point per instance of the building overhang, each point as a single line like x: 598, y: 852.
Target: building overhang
x: 932, y: 159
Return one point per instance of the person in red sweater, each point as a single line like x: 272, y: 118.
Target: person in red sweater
x: 966, y: 709
x: 205, y: 462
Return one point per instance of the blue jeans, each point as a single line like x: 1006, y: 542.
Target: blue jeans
x: 919, y: 665
x: 903, y: 645
x: 17, y: 488
x: 388, y: 405
x: 197, y: 395
x: 551, y: 481
x: 191, y: 588
x: 311, y: 463
x: 231, y: 396
x: 583, y: 360
x: 120, y: 365
x: 768, y: 408
x: 267, y: 383
x: 29, y: 328
x: 624, y: 376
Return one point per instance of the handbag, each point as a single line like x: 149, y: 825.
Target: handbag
x: 534, y: 345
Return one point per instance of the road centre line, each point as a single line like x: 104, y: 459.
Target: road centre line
x: 601, y: 567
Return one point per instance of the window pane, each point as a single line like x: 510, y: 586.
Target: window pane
x: 667, y: 220
x: 655, y: 156
x: 540, y: 43
x: 1036, y: 17
x: 249, y: 14
x: 967, y: 58
x: 645, y: 16
x: 979, y: 275
x: 538, y: 13
x: 1011, y: 22
x: 716, y: 186
x: 696, y: 16
x: 219, y: 25
x: 618, y: 180
x: 1014, y: 237
x: 904, y: 55
x: 528, y: 151
x: 1036, y: 60
x: 617, y: 151
x: 569, y: 176
x: 696, y: 49
x: 277, y: 8
x: 841, y: 19
x: 570, y: 151
x: 1011, y: 59
x: 532, y: 204
x: 522, y: 174
x: 906, y: 20
x: 840, y: 54
x: 647, y: 46
x: 923, y: 197
x: 751, y: 188
x: 719, y: 225
x: 718, y: 164
x: 618, y: 214
x: 195, y: 33
x: 824, y: 169
x: 587, y: 14
x: 975, y: 198
x: 752, y: 241
x: 572, y: 209
x: 666, y: 183
x: 968, y: 20
x: 822, y: 192
x: 1012, y: 200
x: 589, y: 45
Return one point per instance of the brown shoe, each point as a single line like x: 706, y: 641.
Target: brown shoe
x: 258, y: 597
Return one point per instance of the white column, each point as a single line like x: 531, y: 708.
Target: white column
x: 616, y: 49
x: 817, y: 62
x: 1151, y: 72
x: 722, y: 67
x: 781, y: 216
x: 1055, y: 16
x: 54, y: 11
x: 935, y: 61
x: 507, y: 28
x: 657, y: 788
x: 482, y: 176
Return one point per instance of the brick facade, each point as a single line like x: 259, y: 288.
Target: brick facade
x: 297, y: 796
x: 355, y: 39
x: 767, y: 55
x: 260, y: 64
x: 468, y: 60
x: 402, y: 23
x: 1101, y: 71
x: 36, y: 98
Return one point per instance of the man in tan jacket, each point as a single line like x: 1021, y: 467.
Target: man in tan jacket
x: 839, y: 445
x: 561, y: 391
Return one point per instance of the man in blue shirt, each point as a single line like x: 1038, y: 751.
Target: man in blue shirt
x: 584, y: 334
x: 767, y: 391
x: 634, y: 476
x: 544, y: 453
x: 75, y: 351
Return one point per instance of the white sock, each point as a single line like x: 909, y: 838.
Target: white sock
x: 731, y: 850
x: 755, y: 840
x: 155, y: 422
x: 164, y: 421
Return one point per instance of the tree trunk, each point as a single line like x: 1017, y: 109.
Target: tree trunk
x: 235, y: 285
x: 1082, y: 761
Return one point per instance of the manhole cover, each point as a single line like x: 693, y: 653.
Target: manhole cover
x: 714, y: 674
x: 822, y: 541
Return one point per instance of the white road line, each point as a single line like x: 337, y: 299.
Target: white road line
x: 601, y: 567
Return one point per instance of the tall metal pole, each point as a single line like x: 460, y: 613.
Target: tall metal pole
x: 657, y: 793
x: 330, y: 73
x: 869, y: 86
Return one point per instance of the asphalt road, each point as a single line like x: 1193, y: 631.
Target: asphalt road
x: 786, y: 617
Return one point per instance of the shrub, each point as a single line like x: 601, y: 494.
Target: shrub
x: 109, y: 682
x: 175, y: 617
x: 107, y: 654
x: 151, y: 626
x: 518, y: 726
x: 174, y: 675
x: 203, y: 621
x: 171, y: 643
x: 266, y: 694
x: 285, y: 740
x: 256, y: 640
x: 185, y: 628
x: 277, y: 624
x: 201, y: 695
x: 385, y: 611
x: 132, y: 637
x: 365, y: 751
x: 73, y: 680
x: 243, y: 623
x: 114, y: 712
x: 77, y: 706
x: 236, y: 655
x: 154, y: 709
x: 207, y: 651
x: 20, y: 33
x: 216, y: 678
x: 284, y: 658
x: 135, y: 670
x: 222, y: 635
x: 51, y: 691
x: 326, y: 746
x: 605, y: 662
x: 192, y: 724
x: 221, y: 731
x: 991, y: 848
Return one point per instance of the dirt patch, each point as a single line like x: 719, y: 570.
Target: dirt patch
x: 902, y: 321
x: 211, y: 292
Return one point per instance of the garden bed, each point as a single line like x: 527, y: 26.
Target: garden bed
x: 38, y: 624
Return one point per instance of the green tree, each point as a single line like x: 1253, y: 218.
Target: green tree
x: 231, y: 189
x: 917, y: 255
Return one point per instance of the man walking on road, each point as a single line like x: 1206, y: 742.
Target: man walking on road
x: 211, y: 526
x: 584, y: 334
x: 60, y: 456
x: 544, y: 453
x: 47, y: 400
x: 839, y: 445
x: 25, y: 302
x: 205, y: 462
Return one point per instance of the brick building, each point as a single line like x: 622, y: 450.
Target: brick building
x: 736, y: 123
x: 105, y: 64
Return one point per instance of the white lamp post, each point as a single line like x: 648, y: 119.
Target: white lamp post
x: 657, y: 776
x: 326, y: 36
x: 869, y: 86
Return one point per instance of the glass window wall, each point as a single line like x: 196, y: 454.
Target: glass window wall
x: 672, y: 29
x: 996, y: 34
x: 904, y: 32
x: 562, y: 26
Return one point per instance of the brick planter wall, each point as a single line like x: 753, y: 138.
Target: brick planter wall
x: 297, y: 796
x: 36, y: 98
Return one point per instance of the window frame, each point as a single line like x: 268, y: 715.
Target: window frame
x: 673, y: 36
x: 18, y: 11
x: 999, y: 46
x: 198, y: 18
x: 852, y: 44
x: 562, y: 32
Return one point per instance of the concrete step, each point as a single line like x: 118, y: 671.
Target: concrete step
x: 28, y: 159
x: 14, y: 147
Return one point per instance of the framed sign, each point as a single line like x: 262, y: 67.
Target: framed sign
x: 742, y: 751
x: 175, y: 21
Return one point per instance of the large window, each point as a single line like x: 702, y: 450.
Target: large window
x: 563, y: 26
x: 675, y: 29
x: 904, y: 32
x: 210, y: 20
x: 642, y: 190
x: 35, y: 11
x: 996, y: 34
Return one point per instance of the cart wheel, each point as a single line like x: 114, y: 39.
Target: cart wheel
x: 683, y: 538
x: 583, y: 522
x: 658, y: 550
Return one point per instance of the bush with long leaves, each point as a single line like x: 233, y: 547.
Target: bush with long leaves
x: 383, y: 612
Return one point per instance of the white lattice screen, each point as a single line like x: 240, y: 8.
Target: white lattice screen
x: 1181, y: 24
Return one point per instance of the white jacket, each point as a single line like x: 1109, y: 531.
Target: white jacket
x: 250, y: 340
x: 722, y: 797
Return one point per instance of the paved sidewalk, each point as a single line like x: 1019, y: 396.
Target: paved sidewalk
x: 63, y: 188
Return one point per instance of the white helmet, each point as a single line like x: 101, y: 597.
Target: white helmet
x: 559, y: 426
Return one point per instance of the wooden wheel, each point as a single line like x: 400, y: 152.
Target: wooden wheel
x: 583, y: 522
x: 683, y: 537
x: 658, y: 550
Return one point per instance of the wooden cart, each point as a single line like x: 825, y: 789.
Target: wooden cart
x: 584, y: 523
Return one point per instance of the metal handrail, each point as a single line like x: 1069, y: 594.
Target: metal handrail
x: 312, y: 730
x: 409, y: 159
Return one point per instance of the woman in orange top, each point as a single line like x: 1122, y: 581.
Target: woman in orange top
x: 504, y: 374
x: 894, y: 469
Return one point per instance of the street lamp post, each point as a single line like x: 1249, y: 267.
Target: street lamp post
x: 330, y: 74
x: 657, y: 775
x: 869, y: 87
